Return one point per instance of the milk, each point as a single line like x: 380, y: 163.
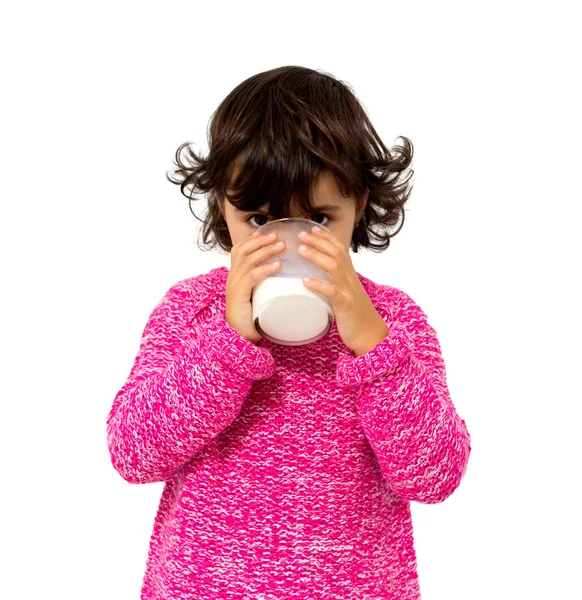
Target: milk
x: 286, y: 312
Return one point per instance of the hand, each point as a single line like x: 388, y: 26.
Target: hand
x: 358, y: 322
x: 244, y: 275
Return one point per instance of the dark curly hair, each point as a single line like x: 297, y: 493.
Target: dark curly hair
x: 278, y: 131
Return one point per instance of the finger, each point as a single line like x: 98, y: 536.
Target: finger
x: 326, y: 235
x: 252, y: 242
x: 325, y: 288
x: 322, y: 245
x: 327, y: 263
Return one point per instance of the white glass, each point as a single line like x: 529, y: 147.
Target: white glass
x: 285, y: 311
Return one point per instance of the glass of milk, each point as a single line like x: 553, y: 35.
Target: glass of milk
x: 285, y: 311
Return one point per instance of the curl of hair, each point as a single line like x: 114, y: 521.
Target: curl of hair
x: 273, y: 136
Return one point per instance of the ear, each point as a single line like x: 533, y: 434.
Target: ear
x: 362, y: 205
x: 220, y: 204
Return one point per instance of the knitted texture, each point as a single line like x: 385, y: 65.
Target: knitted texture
x: 288, y: 470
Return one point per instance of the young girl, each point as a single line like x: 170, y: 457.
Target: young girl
x: 289, y: 470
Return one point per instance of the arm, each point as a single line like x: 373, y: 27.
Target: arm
x: 187, y: 384
x: 404, y: 407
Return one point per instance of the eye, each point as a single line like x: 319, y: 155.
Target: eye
x: 248, y: 219
x: 263, y: 216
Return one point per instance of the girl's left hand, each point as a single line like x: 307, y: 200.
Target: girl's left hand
x: 358, y: 322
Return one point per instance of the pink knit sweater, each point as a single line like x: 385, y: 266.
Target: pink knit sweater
x: 288, y: 470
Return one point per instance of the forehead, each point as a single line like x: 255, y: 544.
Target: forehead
x: 322, y: 207
x: 326, y: 195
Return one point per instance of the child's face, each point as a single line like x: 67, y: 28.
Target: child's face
x: 340, y: 221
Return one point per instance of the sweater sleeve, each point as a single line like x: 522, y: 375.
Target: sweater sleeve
x: 405, y: 409
x: 187, y: 384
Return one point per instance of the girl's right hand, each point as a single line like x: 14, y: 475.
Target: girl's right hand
x: 243, y: 276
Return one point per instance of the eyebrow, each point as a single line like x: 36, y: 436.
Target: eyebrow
x: 325, y: 207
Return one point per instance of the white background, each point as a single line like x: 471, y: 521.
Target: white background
x: 96, y: 99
